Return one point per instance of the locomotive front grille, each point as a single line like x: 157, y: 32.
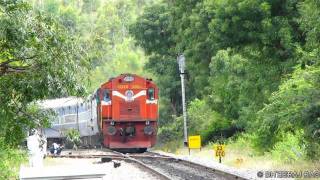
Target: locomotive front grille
x: 129, y: 110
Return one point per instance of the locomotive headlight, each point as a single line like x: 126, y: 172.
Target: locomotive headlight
x: 148, y: 130
x: 111, y: 130
x: 128, y: 78
x: 129, y: 95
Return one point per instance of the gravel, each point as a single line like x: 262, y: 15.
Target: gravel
x: 177, y: 169
x: 245, y: 174
x: 87, y: 152
x: 174, y: 169
x: 67, y: 166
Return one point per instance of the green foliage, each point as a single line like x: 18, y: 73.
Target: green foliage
x: 201, y: 29
x: 152, y: 31
x: 154, y: 35
x: 228, y: 72
x: 73, y: 136
x: 172, y: 132
x: 205, y: 122
x: 290, y: 149
x: 252, y: 63
x: 10, y: 160
x: 294, y: 105
x: 38, y: 59
x: 101, y: 30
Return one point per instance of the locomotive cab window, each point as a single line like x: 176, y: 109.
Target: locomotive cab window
x: 151, y: 94
x: 106, y: 95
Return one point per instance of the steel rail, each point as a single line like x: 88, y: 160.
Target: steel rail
x: 149, y: 168
x: 135, y: 159
x: 63, y: 177
x: 119, y: 156
x: 231, y: 175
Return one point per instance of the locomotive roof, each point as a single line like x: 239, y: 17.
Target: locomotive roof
x: 126, y: 74
x: 60, y: 102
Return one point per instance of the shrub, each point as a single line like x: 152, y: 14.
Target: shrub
x: 171, y: 131
x: 293, y: 107
x: 73, y: 136
x: 290, y: 149
x: 10, y: 160
x: 206, y: 122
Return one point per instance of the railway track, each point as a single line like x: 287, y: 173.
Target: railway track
x: 182, y: 169
x: 161, y: 166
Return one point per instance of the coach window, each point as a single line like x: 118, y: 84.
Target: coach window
x: 151, y: 93
x: 106, y: 95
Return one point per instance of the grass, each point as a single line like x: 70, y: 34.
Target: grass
x: 240, y: 155
x: 10, y: 161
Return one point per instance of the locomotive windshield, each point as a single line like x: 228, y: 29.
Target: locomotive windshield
x: 106, y: 95
x: 151, y: 93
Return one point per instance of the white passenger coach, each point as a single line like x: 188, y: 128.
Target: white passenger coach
x: 72, y: 113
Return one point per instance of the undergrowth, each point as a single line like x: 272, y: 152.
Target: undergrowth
x: 10, y: 161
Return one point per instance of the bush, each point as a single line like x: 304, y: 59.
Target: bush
x: 293, y: 107
x: 206, y: 122
x: 171, y: 131
x: 170, y: 136
x: 290, y: 149
x: 73, y: 137
x: 10, y: 160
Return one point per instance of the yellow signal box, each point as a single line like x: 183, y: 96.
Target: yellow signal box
x: 194, y: 142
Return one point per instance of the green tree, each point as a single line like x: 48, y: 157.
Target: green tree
x: 38, y: 60
x: 239, y: 55
x: 294, y: 106
x: 153, y: 34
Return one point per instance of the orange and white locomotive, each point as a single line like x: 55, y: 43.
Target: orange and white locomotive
x: 127, y: 109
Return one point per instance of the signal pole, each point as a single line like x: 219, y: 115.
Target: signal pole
x: 181, y: 61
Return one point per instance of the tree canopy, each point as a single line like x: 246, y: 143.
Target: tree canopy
x: 38, y: 59
x: 252, y: 63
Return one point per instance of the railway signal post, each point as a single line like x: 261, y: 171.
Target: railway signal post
x: 181, y: 62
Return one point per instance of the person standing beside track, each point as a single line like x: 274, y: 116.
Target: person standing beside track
x: 35, y: 149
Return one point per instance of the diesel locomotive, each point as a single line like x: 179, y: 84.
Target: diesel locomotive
x: 127, y: 112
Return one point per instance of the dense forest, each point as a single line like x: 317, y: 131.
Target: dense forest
x: 253, y: 68
x: 58, y: 48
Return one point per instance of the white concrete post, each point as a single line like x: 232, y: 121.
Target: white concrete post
x: 181, y: 62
